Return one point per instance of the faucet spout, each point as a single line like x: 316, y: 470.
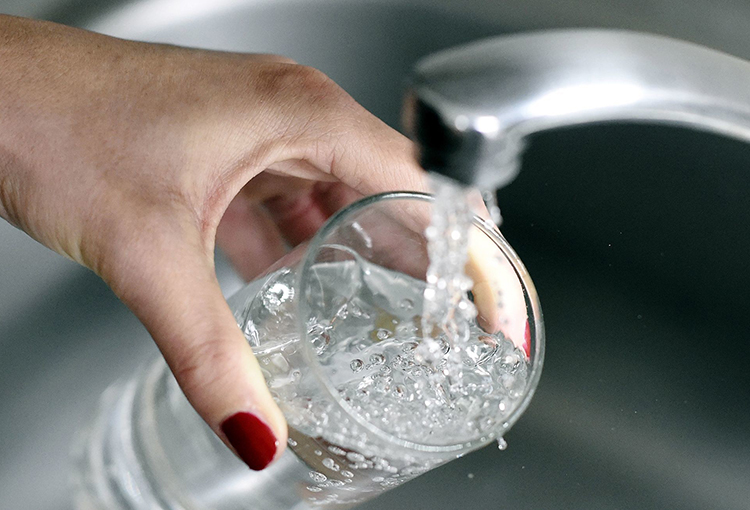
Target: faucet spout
x: 471, y: 109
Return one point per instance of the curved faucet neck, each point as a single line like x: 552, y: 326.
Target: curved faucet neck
x: 471, y: 108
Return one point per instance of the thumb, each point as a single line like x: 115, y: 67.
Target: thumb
x: 178, y: 299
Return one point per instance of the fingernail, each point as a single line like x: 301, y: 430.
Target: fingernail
x: 527, y: 340
x: 251, y: 438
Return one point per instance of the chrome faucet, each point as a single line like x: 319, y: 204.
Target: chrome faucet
x: 470, y: 109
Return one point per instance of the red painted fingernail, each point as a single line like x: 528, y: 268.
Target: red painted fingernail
x: 527, y: 340
x: 251, y: 438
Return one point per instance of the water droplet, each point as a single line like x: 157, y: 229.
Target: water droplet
x: 318, y: 453
x: 501, y: 443
x: 291, y: 442
x: 356, y: 365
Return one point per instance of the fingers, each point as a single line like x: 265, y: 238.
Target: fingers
x: 329, y: 131
x: 176, y: 296
x: 249, y: 238
x: 296, y: 207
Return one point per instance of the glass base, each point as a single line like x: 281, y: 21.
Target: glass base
x: 146, y: 448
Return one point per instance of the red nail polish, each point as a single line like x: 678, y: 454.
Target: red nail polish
x: 251, y: 438
x: 527, y: 340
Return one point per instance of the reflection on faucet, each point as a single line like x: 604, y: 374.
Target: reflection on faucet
x: 470, y: 109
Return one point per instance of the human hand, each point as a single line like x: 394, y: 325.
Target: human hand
x: 125, y: 157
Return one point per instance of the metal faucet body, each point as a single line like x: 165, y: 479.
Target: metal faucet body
x: 470, y: 109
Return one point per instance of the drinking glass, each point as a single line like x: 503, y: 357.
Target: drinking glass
x: 335, y: 326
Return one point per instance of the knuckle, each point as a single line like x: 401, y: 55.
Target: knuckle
x: 308, y: 86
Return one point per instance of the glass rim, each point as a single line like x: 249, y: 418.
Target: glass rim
x: 536, y: 328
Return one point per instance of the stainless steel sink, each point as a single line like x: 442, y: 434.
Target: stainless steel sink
x: 637, y: 238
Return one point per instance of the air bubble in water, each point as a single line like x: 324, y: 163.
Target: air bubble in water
x: 330, y: 464
x: 356, y: 365
x: 276, y: 295
x: 355, y: 457
x: 319, y: 337
x: 383, y: 334
x: 336, y: 450
x: 318, y: 477
x: 406, y: 304
x: 377, y: 359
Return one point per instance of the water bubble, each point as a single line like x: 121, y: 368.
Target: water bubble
x: 318, y: 453
x: 377, y: 359
x: 318, y: 477
x: 347, y: 474
x: 365, y: 383
x: 383, y: 334
x: 406, y: 304
x: 355, y: 457
x: 276, y: 294
x: 408, y: 347
x: 343, y: 311
x: 357, y: 311
x: 319, y: 336
x: 314, y: 488
x: 330, y: 464
x: 501, y: 444
x: 356, y: 365
x: 291, y: 442
x: 336, y: 450
x: 503, y: 405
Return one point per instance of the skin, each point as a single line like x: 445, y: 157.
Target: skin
x: 136, y: 159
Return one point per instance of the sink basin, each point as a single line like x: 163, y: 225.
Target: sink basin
x: 636, y: 236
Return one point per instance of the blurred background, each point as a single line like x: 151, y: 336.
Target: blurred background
x: 637, y: 237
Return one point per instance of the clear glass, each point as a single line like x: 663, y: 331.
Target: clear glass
x: 331, y: 325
